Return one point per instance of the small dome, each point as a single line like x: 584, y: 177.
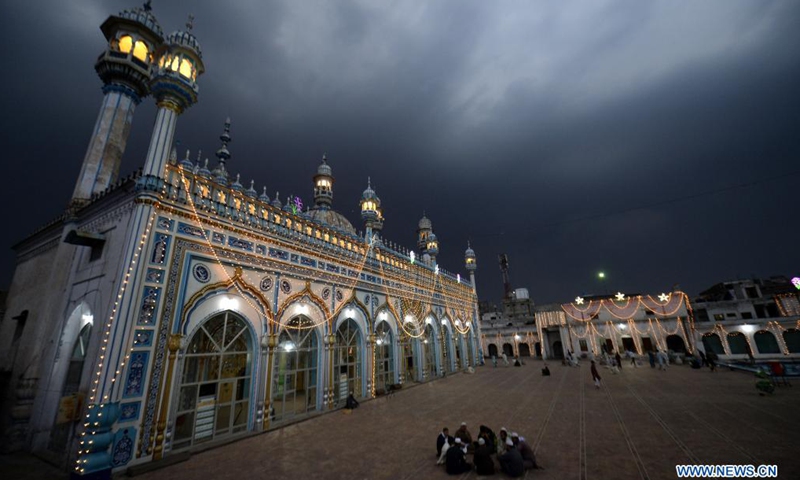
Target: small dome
x: 264, y: 197
x: 324, y: 168
x: 236, y: 185
x: 425, y: 223
x: 276, y: 202
x: 432, y: 237
x: 326, y: 216
x: 469, y: 252
x: 145, y: 16
x: 369, y: 193
x: 185, y: 39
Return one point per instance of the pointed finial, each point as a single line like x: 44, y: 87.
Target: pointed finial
x: 187, y: 155
x: 199, y: 153
x: 147, y: 6
x: 369, y: 183
x: 190, y: 23
x: 252, y: 184
x: 324, y: 158
x: 237, y: 178
x: 205, y: 165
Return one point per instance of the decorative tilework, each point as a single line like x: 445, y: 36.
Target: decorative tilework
x: 201, y: 273
x: 266, y: 284
x: 332, y: 268
x: 160, y: 246
x: 165, y: 223
x: 326, y: 293
x: 147, y: 311
x: 155, y: 275
x: 122, y: 451
x: 134, y: 382
x: 190, y: 230
x: 217, y: 238
x: 308, y: 262
x: 286, y: 287
x: 275, y: 253
x: 129, y: 411
x: 143, y: 338
x: 294, y: 258
x: 339, y: 296
x: 261, y: 249
x: 240, y: 243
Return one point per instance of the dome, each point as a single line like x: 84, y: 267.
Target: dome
x: 324, y: 168
x: 369, y: 193
x: 425, y: 223
x: 330, y: 218
x: 264, y: 197
x: 469, y: 252
x: 144, y: 16
x: 185, y: 39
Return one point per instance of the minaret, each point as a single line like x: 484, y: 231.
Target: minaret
x: 175, y: 89
x: 323, y: 185
x: 126, y: 68
x: 426, y: 239
x: 424, y: 229
x: 470, y: 263
x: 371, y: 213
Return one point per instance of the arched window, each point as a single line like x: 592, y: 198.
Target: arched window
x: 792, y: 339
x: 737, y: 343
x: 186, y: 68
x: 384, y: 358
x: 215, y: 383
x: 294, y: 391
x: 347, y: 361
x: 766, y: 342
x: 125, y: 43
x: 140, y: 51
x: 492, y: 350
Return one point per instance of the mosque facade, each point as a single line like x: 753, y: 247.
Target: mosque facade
x: 176, y: 307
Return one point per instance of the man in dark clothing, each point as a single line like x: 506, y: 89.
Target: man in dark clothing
x: 511, y: 461
x: 444, y: 436
x: 702, y: 358
x: 351, y: 402
x: 528, y: 457
x: 484, y: 465
x: 457, y: 460
x: 619, y: 360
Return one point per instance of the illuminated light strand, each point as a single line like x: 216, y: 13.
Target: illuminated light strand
x: 104, y: 348
x: 300, y: 325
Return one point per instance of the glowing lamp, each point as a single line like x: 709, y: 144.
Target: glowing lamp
x: 796, y: 282
x: 601, y: 275
x: 747, y: 328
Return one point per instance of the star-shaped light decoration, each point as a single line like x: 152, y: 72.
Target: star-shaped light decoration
x: 579, y: 300
x: 663, y: 298
x: 620, y: 296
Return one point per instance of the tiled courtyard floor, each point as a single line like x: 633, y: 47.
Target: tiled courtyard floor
x: 639, y: 425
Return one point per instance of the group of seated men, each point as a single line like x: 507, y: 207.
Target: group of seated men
x: 512, y: 451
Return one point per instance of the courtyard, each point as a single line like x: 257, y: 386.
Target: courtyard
x: 639, y: 425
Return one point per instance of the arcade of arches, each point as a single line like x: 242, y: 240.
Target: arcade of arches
x: 217, y: 391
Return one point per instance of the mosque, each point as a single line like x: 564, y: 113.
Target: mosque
x: 176, y: 308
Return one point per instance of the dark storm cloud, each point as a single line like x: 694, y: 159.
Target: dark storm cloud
x: 557, y: 132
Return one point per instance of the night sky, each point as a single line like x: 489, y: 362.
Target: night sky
x: 655, y: 141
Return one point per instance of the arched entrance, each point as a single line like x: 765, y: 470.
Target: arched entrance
x: 676, y: 344
x: 214, y: 396
x: 524, y: 350
x: 66, y: 416
x: 558, y: 349
x: 712, y: 343
x: 537, y: 348
x: 792, y: 339
x: 766, y: 342
x: 384, y: 357
x: 492, y: 350
x: 295, y: 378
x: 458, y: 342
x: 737, y: 343
x: 429, y: 347
x: 508, y: 349
x: 410, y: 346
x: 647, y: 345
x: 628, y: 345
x: 347, y: 361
